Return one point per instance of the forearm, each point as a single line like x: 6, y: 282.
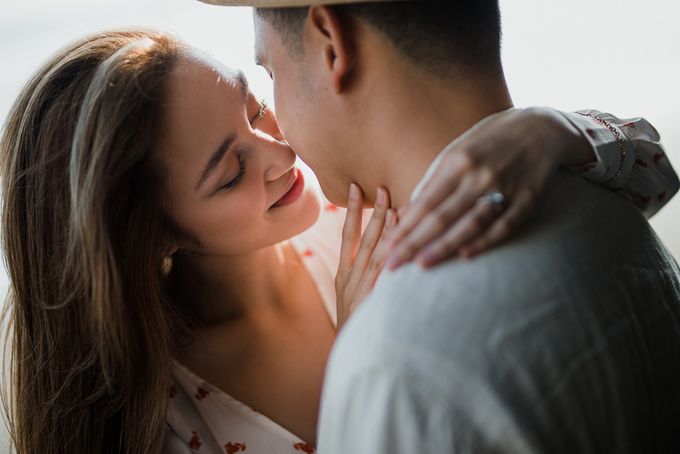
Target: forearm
x: 569, y: 144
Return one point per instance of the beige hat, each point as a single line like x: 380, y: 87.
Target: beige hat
x: 282, y: 3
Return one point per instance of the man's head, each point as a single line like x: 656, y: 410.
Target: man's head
x: 335, y: 69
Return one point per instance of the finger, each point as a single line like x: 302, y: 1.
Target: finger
x: 379, y: 257
x: 371, y: 235
x: 391, y: 225
x: 376, y: 263
x: 443, y: 183
x: 500, y: 230
x: 435, y: 223
x: 351, y: 230
x: 470, y: 226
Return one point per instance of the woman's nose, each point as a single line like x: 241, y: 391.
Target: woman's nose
x: 278, y: 157
x: 270, y: 125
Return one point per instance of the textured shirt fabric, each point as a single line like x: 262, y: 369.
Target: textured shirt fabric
x: 203, y: 419
x: 565, y: 339
x: 645, y: 175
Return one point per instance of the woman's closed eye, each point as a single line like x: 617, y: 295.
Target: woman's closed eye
x: 241, y: 171
x: 262, y: 110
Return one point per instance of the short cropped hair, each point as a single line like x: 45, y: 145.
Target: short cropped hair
x: 437, y: 35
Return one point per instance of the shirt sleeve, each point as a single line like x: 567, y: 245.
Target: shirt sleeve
x: 630, y: 158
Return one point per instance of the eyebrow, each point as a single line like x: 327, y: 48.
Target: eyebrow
x: 243, y: 85
x: 216, y: 157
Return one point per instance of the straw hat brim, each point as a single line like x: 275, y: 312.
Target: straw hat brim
x: 282, y: 3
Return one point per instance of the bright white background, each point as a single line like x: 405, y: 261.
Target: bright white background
x: 621, y: 56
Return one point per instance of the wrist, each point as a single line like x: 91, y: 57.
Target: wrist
x: 570, y: 147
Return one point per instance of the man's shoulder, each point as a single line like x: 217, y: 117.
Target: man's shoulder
x: 585, y: 250
x: 579, y: 311
x: 579, y: 231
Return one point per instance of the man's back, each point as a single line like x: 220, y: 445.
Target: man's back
x: 567, y: 339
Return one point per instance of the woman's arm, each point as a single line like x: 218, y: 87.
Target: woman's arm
x: 636, y: 166
x: 514, y: 153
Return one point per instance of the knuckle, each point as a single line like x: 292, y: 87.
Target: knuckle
x: 347, y: 232
x: 370, y: 239
x: 405, y: 250
x: 439, y: 220
x: 346, y: 235
x: 465, y: 159
x: 374, y: 265
x: 487, y: 176
x: 427, y: 202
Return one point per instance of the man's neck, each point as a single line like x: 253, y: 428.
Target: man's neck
x: 417, y: 117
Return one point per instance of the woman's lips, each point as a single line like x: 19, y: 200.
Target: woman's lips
x: 294, y: 192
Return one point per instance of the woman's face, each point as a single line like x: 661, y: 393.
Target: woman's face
x: 230, y: 178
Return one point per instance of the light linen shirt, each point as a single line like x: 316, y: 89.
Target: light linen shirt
x: 565, y: 339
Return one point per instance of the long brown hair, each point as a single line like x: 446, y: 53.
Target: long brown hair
x: 91, y: 331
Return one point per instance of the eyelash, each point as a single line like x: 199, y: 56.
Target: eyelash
x: 241, y: 172
x: 241, y: 164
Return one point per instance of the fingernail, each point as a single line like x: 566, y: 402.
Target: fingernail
x: 380, y: 198
x: 353, y: 191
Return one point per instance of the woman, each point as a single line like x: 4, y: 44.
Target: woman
x: 148, y: 208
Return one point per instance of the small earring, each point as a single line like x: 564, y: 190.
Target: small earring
x: 166, y: 265
x: 263, y: 109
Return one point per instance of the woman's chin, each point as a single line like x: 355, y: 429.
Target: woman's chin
x: 302, y: 214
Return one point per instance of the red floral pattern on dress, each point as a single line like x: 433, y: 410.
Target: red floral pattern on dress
x: 657, y: 157
x: 233, y: 448
x: 201, y: 393
x: 304, y: 447
x: 308, y: 253
x: 630, y: 125
x: 195, y: 442
x: 173, y: 391
x: 661, y: 196
x: 641, y: 163
x: 331, y: 207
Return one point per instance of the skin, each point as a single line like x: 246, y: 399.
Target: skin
x: 401, y: 117
x: 263, y: 326
x: 372, y: 90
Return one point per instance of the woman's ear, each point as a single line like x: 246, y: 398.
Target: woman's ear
x: 328, y: 37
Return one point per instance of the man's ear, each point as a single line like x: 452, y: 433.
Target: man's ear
x: 329, y: 34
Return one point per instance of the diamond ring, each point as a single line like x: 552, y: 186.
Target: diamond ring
x: 495, y: 198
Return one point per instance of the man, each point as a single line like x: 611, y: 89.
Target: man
x: 566, y: 339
